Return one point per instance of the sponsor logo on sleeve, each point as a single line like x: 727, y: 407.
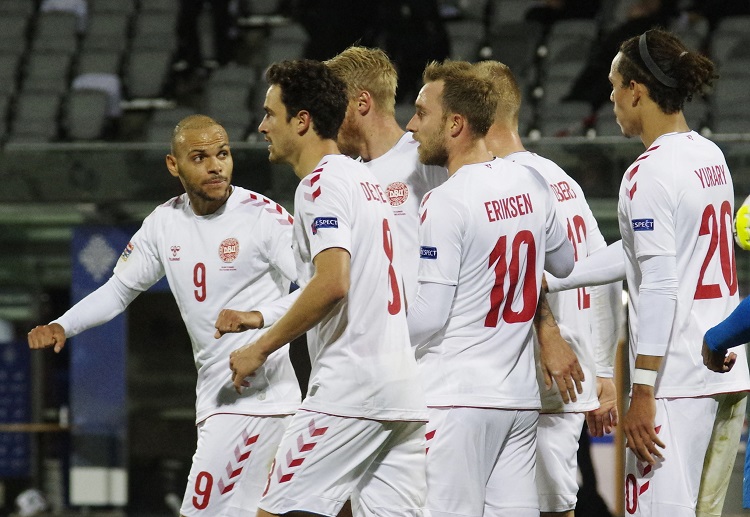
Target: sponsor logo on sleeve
x: 428, y: 252
x: 324, y: 222
x: 126, y: 252
x: 643, y: 225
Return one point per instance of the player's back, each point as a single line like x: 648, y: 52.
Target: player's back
x: 362, y: 364
x: 485, y: 231
x: 677, y: 199
x: 572, y: 307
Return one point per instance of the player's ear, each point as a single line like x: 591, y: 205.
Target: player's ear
x: 364, y: 102
x: 304, y: 122
x: 172, y: 165
x: 456, y: 124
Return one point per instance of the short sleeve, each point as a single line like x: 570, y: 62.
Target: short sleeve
x: 652, y: 221
x: 440, y: 238
x: 139, y: 266
x: 326, y: 214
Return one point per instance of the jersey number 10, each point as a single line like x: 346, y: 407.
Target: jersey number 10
x: 530, y: 294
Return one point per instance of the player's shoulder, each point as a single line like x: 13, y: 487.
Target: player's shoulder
x: 257, y: 205
x: 175, y: 205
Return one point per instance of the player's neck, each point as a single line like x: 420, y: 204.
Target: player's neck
x: 311, y: 153
x: 502, y: 141
x: 474, y: 152
x: 661, y: 124
x: 201, y: 206
x: 379, y: 138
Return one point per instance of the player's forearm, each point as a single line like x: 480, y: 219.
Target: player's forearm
x: 657, y: 304
x: 603, y: 267
x: 97, y: 308
x: 273, y: 311
x: 429, y: 311
x: 733, y: 331
x: 606, y: 302
x: 314, y: 302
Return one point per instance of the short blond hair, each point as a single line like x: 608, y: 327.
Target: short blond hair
x: 369, y: 69
x: 465, y: 92
x: 508, y: 92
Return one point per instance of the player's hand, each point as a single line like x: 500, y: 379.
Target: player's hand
x: 720, y: 362
x: 45, y: 336
x: 237, y: 321
x: 244, y: 362
x: 559, y: 363
x: 638, y: 425
x: 603, y: 419
x: 741, y: 227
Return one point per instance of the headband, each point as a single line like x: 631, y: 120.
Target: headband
x: 651, y: 64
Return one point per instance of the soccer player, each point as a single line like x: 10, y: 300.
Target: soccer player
x: 585, y: 316
x: 675, y: 211
x: 220, y: 246
x: 485, y: 238
x: 359, y: 433
x: 370, y: 131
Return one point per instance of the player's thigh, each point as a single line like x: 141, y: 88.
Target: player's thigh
x: 669, y: 488
x: 463, y: 445
x: 721, y: 454
x: 320, y: 460
x: 395, y: 484
x: 511, y: 489
x: 556, y: 460
x: 231, y: 463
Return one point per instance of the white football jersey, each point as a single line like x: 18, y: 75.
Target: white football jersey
x: 235, y: 258
x: 486, y: 231
x: 405, y: 181
x: 677, y: 199
x: 572, y: 309
x: 362, y: 362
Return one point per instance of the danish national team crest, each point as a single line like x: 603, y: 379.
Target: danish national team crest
x: 229, y: 249
x: 397, y: 193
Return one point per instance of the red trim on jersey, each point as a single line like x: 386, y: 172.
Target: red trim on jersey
x: 631, y: 192
x: 632, y: 172
x: 425, y: 198
x: 653, y: 148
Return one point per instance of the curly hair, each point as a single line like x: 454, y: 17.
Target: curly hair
x: 308, y: 85
x: 370, y: 69
x: 680, y: 72
x: 465, y: 93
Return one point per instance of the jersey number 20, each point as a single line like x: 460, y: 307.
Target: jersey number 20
x: 720, y: 233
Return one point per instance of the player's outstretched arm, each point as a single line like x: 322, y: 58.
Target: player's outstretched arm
x: 558, y: 361
x: 604, y: 266
x: 733, y: 331
x: 45, y: 336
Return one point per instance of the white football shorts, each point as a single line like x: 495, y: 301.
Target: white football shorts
x: 481, y: 463
x: 669, y: 488
x: 230, y: 464
x: 323, y: 460
x: 557, y: 460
